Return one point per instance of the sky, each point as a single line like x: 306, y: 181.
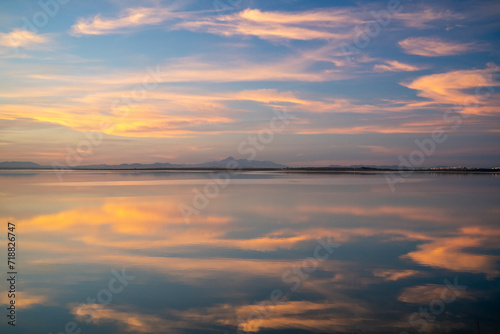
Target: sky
x: 301, y: 83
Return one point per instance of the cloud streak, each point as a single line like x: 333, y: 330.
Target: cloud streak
x: 327, y: 24
x: 450, y: 88
x: 127, y: 20
x: 422, y: 19
x: 396, y: 66
x: 434, y: 47
x: 23, y: 38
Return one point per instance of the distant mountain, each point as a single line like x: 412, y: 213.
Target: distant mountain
x: 225, y: 163
x: 241, y: 163
x: 19, y: 164
x: 156, y: 165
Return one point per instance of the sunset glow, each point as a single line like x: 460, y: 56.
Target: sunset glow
x: 170, y: 79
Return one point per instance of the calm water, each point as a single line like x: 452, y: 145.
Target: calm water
x: 149, y: 252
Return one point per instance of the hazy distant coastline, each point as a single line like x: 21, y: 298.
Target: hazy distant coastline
x: 249, y: 165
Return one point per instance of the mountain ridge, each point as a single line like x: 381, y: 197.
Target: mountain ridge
x: 228, y: 163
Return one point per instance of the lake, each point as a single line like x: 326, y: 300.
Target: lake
x: 257, y: 252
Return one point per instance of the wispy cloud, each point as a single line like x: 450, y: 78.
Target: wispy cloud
x: 198, y: 69
x: 434, y: 47
x: 128, y: 321
x: 396, y: 66
x: 23, y: 38
x: 307, y: 25
x: 424, y: 294
x: 128, y: 19
x: 422, y: 19
x: 450, y: 89
x: 29, y: 299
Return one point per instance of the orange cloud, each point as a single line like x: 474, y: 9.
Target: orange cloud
x: 396, y: 66
x: 22, y: 38
x: 394, y: 275
x: 320, y: 316
x: 308, y: 25
x: 449, y: 87
x: 434, y: 47
x: 24, y: 300
x: 328, y: 105
x: 129, y: 321
x: 130, y: 18
x: 140, y: 120
x: 424, y: 294
x: 162, y: 112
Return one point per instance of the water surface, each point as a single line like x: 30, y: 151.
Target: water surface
x: 261, y: 252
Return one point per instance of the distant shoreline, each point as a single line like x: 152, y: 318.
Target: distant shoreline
x: 288, y: 170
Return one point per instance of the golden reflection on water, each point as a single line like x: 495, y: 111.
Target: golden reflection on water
x: 248, y: 234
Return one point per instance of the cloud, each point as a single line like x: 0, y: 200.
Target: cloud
x: 317, y: 316
x: 161, y: 111
x: 130, y: 18
x: 305, y: 315
x: 28, y: 300
x: 144, y: 120
x: 396, y: 66
x: 451, y: 88
x: 128, y: 321
x: 394, y: 275
x: 195, y: 69
x: 421, y: 19
x: 424, y: 294
x: 22, y: 38
x: 324, y: 24
x: 433, y: 47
